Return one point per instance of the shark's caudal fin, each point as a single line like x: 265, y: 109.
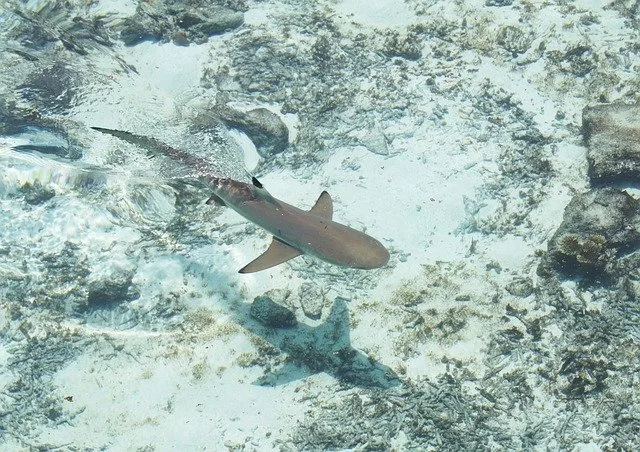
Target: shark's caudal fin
x: 279, y: 252
x: 153, y: 146
x: 149, y: 144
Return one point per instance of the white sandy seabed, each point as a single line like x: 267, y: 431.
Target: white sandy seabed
x: 433, y: 197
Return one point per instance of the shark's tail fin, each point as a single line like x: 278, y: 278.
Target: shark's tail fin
x: 199, y: 166
x: 153, y: 146
x: 222, y: 165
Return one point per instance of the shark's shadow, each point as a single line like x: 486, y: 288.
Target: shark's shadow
x: 323, y: 348
x: 314, y: 349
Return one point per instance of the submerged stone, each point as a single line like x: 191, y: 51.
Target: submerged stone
x: 598, y: 227
x: 111, y: 288
x: 612, y: 134
x: 221, y: 21
x: 520, y: 287
x: 270, y: 313
x: 263, y: 127
x: 181, y: 23
x: 51, y: 89
x: 312, y: 300
x: 513, y: 39
x: 136, y: 31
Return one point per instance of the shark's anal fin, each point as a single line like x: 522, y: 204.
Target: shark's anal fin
x: 277, y: 253
x: 323, y: 206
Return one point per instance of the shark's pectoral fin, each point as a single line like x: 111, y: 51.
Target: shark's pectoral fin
x: 323, y: 206
x: 277, y: 253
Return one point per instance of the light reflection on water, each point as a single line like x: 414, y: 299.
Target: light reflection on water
x: 21, y: 168
x: 128, y: 198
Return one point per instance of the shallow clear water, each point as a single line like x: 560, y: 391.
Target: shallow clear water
x: 506, y: 318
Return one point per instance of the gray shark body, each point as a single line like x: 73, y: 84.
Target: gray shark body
x: 295, y: 231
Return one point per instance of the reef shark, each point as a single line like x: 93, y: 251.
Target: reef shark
x: 295, y: 231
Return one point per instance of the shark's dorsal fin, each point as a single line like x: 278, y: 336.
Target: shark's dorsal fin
x: 277, y: 253
x: 256, y: 182
x: 323, y: 206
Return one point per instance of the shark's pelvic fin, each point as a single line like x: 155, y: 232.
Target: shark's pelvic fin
x: 323, y: 206
x: 215, y: 199
x: 277, y: 253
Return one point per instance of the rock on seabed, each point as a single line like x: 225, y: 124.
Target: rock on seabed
x: 598, y: 227
x: 270, y: 313
x: 612, y: 133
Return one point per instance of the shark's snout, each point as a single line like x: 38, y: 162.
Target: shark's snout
x: 373, y: 255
